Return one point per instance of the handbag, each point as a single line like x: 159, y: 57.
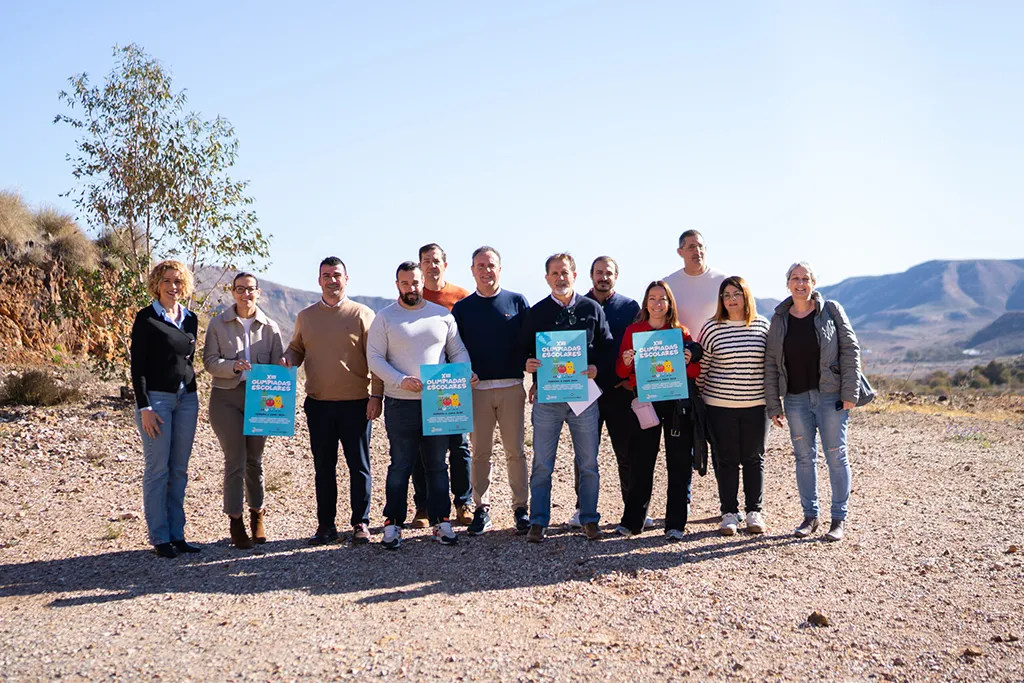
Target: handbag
x: 645, y: 413
x: 865, y: 392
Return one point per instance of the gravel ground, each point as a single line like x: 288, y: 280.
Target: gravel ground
x: 927, y: 586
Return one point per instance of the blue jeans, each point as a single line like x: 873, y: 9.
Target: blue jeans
x: 459, y: 461
x: 548, y: 419
x: 166, y: 470
x: 403, y: 420
x: 808, y: 413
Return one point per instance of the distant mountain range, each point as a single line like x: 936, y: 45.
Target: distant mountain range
x: 937, y: 309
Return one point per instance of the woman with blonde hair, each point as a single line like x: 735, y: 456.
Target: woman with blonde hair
x: 732, y: 385
x: 163, y: 345
x: 236, y: 339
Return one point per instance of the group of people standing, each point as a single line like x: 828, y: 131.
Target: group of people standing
x: 744, y: 371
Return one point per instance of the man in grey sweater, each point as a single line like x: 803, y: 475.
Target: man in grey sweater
x: 407, y: 334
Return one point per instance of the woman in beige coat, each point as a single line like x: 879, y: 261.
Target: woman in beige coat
x: 238, y: 338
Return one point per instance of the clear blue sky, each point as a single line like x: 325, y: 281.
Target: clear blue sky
x: 865, y: 137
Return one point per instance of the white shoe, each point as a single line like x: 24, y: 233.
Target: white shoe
x: 623, y: 531
x: 444, y: 535
x: 392, y: 537
x: 648, y: 523
x: 730, y: 522
x: 673, y: 534
x: 755, y: 522
x: 574, y: 521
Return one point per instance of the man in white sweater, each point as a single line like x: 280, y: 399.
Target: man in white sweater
x: 695, y: 285
x: 407, y: 334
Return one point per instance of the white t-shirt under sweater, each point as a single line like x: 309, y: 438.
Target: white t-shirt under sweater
x: 696, y: 297
x: 400, y: 340
x: 732, y: 369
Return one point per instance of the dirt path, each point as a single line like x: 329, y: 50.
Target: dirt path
x: 924, y: 575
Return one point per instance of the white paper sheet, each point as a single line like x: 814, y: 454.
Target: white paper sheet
x: 593, y: 392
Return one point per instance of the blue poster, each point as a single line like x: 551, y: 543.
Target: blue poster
x: 563, y: 360
x: 660, y: 365
x: 269, y: 401
x: 447, y: 399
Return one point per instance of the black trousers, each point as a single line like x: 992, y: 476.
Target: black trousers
x: 331, y: 422
x: 615, y: 413
x: 643, y: 456
x: 459, y: 460
x: 740, y: 435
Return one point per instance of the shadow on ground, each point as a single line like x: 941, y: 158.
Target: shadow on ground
x: 496, y: 561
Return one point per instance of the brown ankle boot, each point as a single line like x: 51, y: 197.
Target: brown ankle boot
x: 239, y: 538
x: 259, y: 534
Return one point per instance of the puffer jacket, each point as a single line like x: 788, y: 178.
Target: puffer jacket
x: 840, y: 353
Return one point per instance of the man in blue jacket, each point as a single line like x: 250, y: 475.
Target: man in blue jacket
x: 564, y: 310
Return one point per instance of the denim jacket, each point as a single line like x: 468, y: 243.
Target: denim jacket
x: 840, y: 353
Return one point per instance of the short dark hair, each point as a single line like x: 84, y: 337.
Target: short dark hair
x: 430, y: 247
x: 242, y: 274
x: 483, y: 249
x: 689, y: 233
x: 559, y: 257
x: 609, y: 259
x: 334, y: 261
x: 406, y: 267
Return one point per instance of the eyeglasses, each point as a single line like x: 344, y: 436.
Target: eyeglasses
x: 566, y: 316
x: 735, y: 295
x: 246, y: 290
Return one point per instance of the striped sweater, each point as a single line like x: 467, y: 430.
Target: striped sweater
x: 732, y: 370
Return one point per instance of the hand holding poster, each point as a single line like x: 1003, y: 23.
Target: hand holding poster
x: 563, y: 360
x: 447, y: 399
x: 660, y: 365
x: 269, y: 401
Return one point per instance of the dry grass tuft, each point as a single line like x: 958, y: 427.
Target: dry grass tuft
x: 17, y: 224
x: 54, y: 223
x: 40, y: 388
x: 76, y: 251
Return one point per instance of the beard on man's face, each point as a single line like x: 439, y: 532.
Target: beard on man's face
x: 411, y: 298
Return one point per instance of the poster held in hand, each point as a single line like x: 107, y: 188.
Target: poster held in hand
x: 660, y: 365
x: 447, y: 399
x: 563, y: 360
x: 269, y: 401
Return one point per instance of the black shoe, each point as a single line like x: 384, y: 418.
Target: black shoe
x: 481, y: 521
x: 807, y: 527
x: 165, y: 550
x: 185, y: 547
x: 522, y: 520
x: 836, y: 530
x: 324, y: 536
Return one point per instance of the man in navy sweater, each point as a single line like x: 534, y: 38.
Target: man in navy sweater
x: 564, y: 310
x: 490, y: 321
x: 615, y: 405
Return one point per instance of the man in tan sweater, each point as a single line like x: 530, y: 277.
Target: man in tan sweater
x: 342, y: 398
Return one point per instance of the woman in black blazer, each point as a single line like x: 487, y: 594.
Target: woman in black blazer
x: 163, y: 346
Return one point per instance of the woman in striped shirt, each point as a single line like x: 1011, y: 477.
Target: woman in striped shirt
x: 732, y: 385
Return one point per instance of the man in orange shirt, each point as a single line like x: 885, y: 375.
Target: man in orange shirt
x: 434, y: 263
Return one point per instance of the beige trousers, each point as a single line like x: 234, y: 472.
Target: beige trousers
x: 243, y: 455
x: 506, y: 408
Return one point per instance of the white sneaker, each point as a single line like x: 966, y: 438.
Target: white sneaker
x: 755, y: 522
x: 730, y: 522
x: 674, y: 535
x: 444, y: 535
x: 392, y: 537
x: 574, y: 521
x: 648, y: 523
x: 623, y: 531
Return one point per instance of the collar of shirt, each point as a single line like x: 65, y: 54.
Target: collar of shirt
x: 488, y: 296
x: 337, y: 305
x: 593, y: 295
x: 162, y: 312
x: 575, y: 298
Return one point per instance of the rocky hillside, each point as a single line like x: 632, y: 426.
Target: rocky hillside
x: 1004, y: 336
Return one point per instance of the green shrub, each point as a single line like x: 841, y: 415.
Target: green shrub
x: 40, y: 388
